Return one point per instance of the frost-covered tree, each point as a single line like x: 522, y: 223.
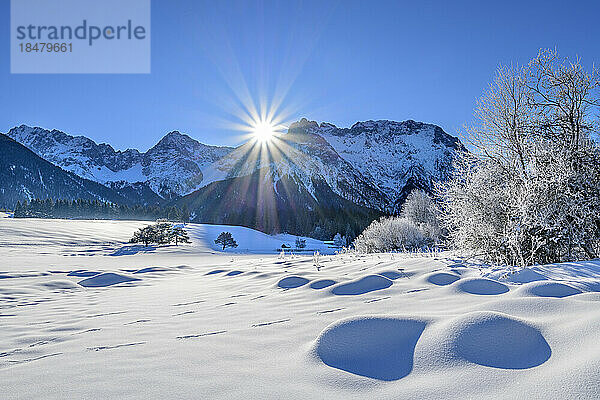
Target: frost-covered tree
x: 226, y: 239
x: 420, y: 209
x: 529, y: 192
x: 162, y: 231
x: 339, y: 240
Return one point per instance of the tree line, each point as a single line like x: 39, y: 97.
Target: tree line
x: 96, y: 209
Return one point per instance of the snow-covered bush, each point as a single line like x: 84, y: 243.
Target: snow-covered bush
x: 416, y: 227
x: 529, y: 192
x: 389, y: 234
x: 317, y: 260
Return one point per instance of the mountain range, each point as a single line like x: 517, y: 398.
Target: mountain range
x: 297, y: 182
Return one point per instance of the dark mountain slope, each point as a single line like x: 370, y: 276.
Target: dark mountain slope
x: 275, y: 205
x: 24, y: 176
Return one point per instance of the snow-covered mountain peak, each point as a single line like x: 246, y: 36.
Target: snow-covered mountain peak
x: 304, y: 124
x: 173, y: 139
x: 170, y: 168
x: 397, y: 156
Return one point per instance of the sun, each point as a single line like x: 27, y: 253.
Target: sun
x: 263, y: 131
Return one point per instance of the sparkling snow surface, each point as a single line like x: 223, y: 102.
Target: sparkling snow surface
x: 83, y: 314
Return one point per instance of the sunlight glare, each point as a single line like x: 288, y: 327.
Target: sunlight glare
x: 263, y: 131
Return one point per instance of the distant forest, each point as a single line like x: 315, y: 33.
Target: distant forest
x: 96, y: 209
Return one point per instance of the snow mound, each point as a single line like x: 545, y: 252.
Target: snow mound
x: 588, y: 297
x: 59, y: 285
x: 132, y: 250
x: 106, y: 279
x: 481, y: 286
x: 498, y: 340
x: 216, y: 271
x: 292, y: 282
x: 548, y: 289
x: 82, y: 273
x: 374, y: 347
x: 150, y: 269
x: 393, y: 275
x: 363, y: 285
x: 525, y: 275
x: 322, y: 284
x: 458, y: 269
x: 442, y: 278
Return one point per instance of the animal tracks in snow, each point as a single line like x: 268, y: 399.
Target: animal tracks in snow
x: 270, y: 323
x: 116, y: 346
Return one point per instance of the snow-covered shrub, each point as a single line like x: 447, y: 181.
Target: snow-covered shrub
x: 389, y: 234
x: 529, y: 192
x: 317, y: 260
x: 416, y: 227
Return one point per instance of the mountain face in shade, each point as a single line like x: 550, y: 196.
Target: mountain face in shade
x: 25, y: 176
x: 173, y: 167
x: 272, y: 203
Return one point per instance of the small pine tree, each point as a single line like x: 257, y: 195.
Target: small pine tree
x: 300, y: 243
x: 162, y: 230
x: 179, y: 235
x: 349, y: 234
x: 144, y: 235
x: 225, y: 239
x: 18, y: 210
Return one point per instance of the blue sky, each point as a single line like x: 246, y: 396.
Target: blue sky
x: 334, y: 61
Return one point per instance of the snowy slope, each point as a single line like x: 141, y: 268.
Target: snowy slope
x: 251, y: 241
x: 189, y: 322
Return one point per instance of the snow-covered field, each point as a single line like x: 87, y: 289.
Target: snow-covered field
x: 193, y: 322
